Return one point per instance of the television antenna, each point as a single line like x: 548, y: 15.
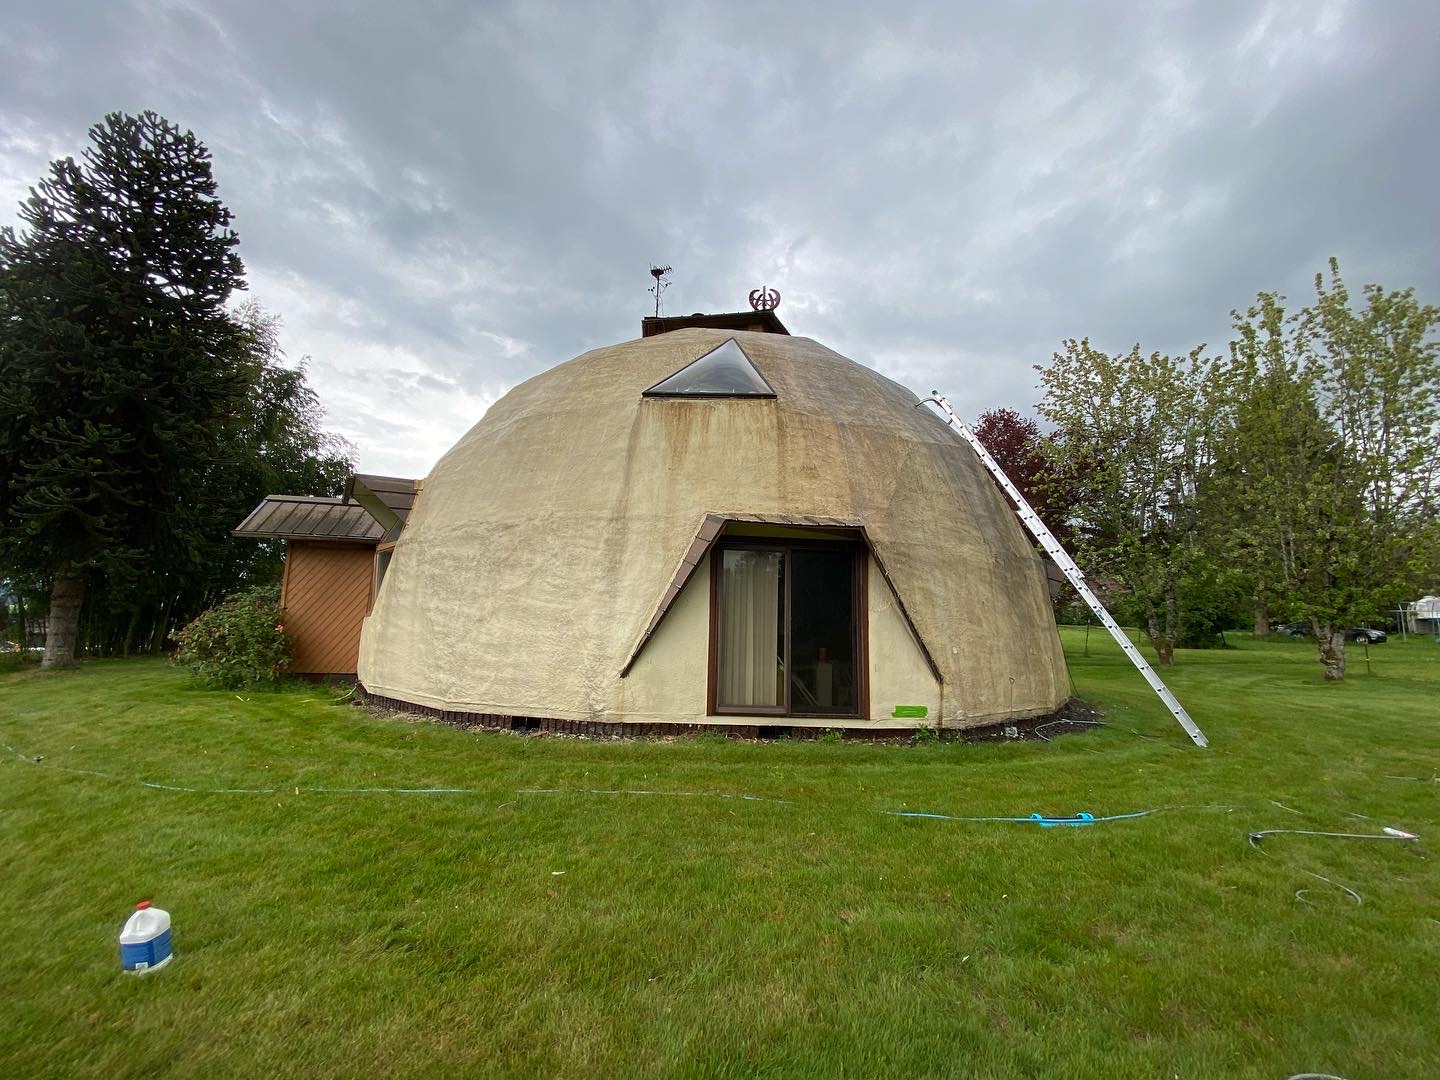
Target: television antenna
x: 659, y: 273
x: 1068, y: 567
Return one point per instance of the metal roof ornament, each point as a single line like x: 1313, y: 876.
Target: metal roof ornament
x: 764, y: 299
x: 659, y: 273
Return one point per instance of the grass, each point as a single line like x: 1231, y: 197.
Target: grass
x: 502, y: 931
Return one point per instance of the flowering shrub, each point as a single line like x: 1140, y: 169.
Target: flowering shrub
x: 240, y: 642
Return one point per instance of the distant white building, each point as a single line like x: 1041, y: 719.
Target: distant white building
x: 1423, y: 616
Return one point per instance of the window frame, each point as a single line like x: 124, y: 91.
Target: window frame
x: 384, y: 552
x: 712, y: 395
x: 859, y: 585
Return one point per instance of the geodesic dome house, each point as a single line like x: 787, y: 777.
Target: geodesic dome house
x: 714, y: 525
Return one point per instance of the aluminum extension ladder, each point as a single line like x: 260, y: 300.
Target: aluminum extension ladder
x: 1068, y: 567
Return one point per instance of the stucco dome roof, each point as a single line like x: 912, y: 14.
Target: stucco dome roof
x: 541, y: 544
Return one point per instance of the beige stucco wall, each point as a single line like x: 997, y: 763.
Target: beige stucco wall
x: 898, y: 672
x: 542, y: 542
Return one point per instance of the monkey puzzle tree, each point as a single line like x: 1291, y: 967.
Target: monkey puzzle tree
x: 120, y: 372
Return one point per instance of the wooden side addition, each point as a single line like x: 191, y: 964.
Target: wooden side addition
x: 326, y: 596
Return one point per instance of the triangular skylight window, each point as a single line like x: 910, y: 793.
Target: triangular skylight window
x: 722, y: 372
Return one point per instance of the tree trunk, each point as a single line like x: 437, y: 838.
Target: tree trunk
x: 162, y: 627
x: 1165, y: 652
x: 1332, y: 650
x: 66, y: 593
x: 1262, y: 619
x: 1164, y: 646
x: 131, y: 631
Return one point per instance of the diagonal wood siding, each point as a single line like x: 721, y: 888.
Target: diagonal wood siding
x: 326, y: 597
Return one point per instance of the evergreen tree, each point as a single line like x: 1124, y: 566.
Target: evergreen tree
x: 121, y: 375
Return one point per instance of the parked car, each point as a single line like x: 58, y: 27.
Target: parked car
x: 9, y: 646
x: 1365, y: 634
x: 1291, y: 629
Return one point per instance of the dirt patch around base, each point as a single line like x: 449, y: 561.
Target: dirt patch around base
x: 1075, y: 715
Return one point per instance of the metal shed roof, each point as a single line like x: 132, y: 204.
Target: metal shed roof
x: 309, y: 517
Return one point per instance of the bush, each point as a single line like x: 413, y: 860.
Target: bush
x: 238, y: 643
x: 1211, y: 602
x: 924, y: 736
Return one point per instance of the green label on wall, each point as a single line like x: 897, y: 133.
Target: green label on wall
x: 910, y: 712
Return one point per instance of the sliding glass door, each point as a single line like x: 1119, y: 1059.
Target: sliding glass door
x: 787, y: 628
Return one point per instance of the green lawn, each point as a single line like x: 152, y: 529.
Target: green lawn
x: 494, y: 930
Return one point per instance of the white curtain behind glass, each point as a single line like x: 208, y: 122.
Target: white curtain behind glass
x: 749, y: 661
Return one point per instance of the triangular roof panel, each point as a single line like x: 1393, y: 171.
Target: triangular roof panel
x: 724, y: 371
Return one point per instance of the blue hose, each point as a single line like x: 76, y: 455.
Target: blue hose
x: 1044, y: 822
x: 1075, y: 821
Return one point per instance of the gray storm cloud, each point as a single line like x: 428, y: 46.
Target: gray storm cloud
x: 442, y: 200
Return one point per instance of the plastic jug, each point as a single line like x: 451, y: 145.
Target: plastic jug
x: 145, y: 941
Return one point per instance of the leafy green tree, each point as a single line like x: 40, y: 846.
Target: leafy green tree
x: 1327, y: 481
x: 278, y: 445
x: 1273, y: 447
x: 120, y: 370
x: 1212, y: 600
x: 1130, y: 432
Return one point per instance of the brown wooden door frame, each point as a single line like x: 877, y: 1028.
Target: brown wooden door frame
x: 860, y: 623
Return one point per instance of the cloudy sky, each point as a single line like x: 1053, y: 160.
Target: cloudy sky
x: 442, y: 200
